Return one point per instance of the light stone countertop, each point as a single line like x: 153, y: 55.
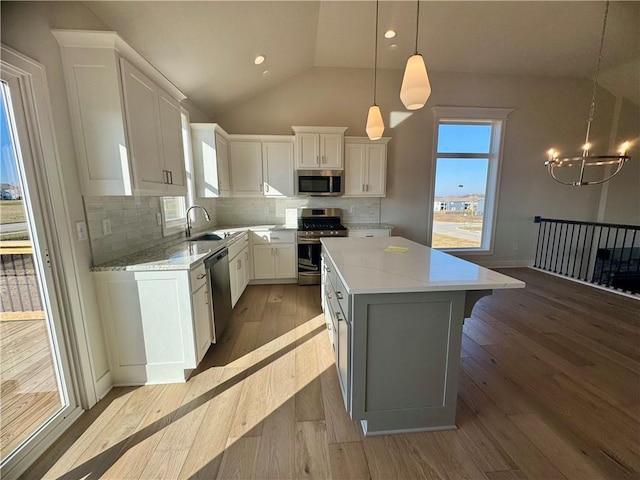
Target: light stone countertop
x: 181, y: 254
x: 367, y: 226
x: 364, y: 267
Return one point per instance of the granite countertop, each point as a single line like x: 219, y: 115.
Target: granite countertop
x: 365, y: 267
x: 181, y: 254
x: 367, y: 226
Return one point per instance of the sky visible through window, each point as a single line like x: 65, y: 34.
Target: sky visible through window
x: 461, y: 176
x: 8, y: 173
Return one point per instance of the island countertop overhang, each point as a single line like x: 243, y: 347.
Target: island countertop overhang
x: 365, y: 267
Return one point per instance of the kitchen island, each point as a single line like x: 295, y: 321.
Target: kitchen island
x: 394, y: 312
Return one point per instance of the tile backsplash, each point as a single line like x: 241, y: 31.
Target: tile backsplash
x: 246, y: 211
x: 134, y: 225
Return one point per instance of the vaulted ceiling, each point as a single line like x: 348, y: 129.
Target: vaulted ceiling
x: 206, y: 48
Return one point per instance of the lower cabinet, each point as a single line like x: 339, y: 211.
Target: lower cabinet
x: 369, y: 232
x: 239, y: 270
x: 275, y: 255
x: 158, y: 323
x: 274, y: 261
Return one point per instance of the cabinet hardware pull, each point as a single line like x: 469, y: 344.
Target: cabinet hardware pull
x: 367, y: 187
x: 238, y: 264
x: 266, y: 187
x: 200, y: 277
x: 170, y: 177
x: 318, y: 158
x: 329, y: 295
x: 369, y: 236
x: 363, y: 187
x: 338, y: 316
x: 324, y: 159
x: 339, y: 295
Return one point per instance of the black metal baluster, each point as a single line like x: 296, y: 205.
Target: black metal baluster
x: 564, y: 250
x: 546, y: 253
x: 612, y: 257
x: 553, y: 245
x: 555, y: 268
x: 575, y: 252
x: 586, y: 273
x: 584, y: 249
x: 538, y: 249
x: 633, y: 241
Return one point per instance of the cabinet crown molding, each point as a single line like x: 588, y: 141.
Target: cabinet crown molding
x: 306, y: 129
x: 107, y: 39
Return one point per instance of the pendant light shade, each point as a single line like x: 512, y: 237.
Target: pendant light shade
x: 375, y: 125
x: 415, y: 88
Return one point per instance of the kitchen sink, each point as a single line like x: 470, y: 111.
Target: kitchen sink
x: 209, y: 237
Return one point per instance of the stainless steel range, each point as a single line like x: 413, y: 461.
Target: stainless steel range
x: 314, y: 223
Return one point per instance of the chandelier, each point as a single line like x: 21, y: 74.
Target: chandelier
x: 554, y: 161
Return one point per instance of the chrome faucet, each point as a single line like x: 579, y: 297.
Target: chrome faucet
x: 206, y: 217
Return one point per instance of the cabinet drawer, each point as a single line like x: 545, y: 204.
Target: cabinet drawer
x: 197, y: 277
x: 238, y: 245
x: 341, y: 296
x: 272, y: 236
x: 370, y: 232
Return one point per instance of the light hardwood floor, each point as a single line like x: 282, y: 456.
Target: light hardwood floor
x: 549, y: 388
x: 29, y: 389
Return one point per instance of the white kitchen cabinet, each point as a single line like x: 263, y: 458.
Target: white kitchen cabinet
x: 319, y: 148
x: 125, y: 117
x: 365, y: 167
x: 369, y: 232
x: 274, y: 254
x: 274, y: 261
x: 246, y: 168
x: 239, y: 267
x: 210, y: 149
x: 158, y: 323
x: 277, y: 168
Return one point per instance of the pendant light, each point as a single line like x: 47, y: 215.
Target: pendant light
x: 415, y: 88
x: 375, y: 124
x: 587, y: 159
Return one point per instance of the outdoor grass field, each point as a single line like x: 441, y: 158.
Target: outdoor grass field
x: 11, y: 211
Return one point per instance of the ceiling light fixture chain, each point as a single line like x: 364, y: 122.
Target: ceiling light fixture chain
x: 587, y: 160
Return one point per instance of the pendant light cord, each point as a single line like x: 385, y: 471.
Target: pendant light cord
x: 417, y: 23
x: 375, y: 58
x: 595, y: 79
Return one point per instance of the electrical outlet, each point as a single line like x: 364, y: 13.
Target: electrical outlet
x: 514, y: 246
x: 81, y: 231
x: 159, y: 219
x: 353, y: 209
x: 106, y: 226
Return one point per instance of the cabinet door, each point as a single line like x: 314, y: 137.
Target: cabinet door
x: 263, y: 262
x: 200, y: 302
x: 247, y: 268
x: 233, y: 279
x: 375, y: 184
x: 307, y: 151
x: 240, y: 280
x: 354, y: 169
x: 277, y: 169
x: 285, y: 261
x: 143, y: 128
x: 246, y: 168
x: 171, y: 135
x: 222, y: 161
x: 344, y: 350
x: 331, y: 148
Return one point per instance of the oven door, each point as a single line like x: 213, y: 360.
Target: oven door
x: 309, y: 264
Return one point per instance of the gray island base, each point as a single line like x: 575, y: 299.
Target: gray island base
x: 395, y: 322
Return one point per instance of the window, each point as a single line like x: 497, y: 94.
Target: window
x: 174, y: 209
x: 466, y: 172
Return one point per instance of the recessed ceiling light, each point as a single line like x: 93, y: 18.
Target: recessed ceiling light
x: 266, y: 73
x: 259, y: 59
x: 389, y: 34
x: 393, y: 46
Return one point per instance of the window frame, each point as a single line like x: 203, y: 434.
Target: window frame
x: 497, y: 117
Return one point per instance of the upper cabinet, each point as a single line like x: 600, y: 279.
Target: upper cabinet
x: 277, y: 167
x: 365, y: 167
x: 246, y: 167
x: 319, y: 148
x: 125, y: 116
x: 210, y: 147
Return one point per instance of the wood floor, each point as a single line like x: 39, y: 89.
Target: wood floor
x: 548, y: 389
x: 29, y: 390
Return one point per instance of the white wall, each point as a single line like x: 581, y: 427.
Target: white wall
x: 547, y: 112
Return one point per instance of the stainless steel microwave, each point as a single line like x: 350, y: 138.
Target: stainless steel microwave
x: 320, y: 183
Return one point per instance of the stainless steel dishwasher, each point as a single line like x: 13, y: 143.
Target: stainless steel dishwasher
x: 218, y: 268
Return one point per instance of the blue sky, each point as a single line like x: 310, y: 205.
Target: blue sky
x: 460, y: 176
x: 8, y: 173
